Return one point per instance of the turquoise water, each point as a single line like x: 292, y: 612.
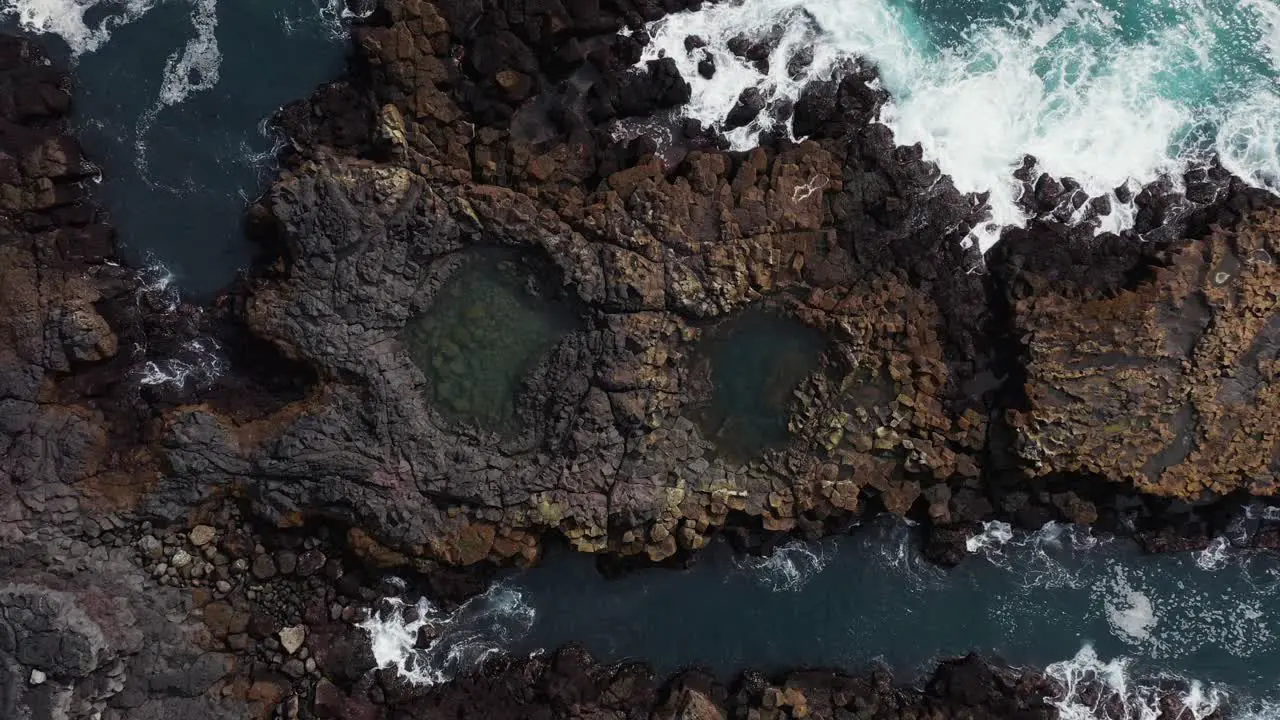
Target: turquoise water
x: 1109, y: 92
x: 171, y: 101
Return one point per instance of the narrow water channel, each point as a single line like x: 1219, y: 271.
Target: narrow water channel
x: 1060, y: 598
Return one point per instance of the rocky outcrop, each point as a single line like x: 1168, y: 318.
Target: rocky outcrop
x: 54, y: 280
x: 1170, y: 384
x: 657, y: 249
x: 482, y: 131
x: 570, y: 683
x: 84, y: 631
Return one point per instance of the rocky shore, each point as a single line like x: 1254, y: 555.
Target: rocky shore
x: 183, y: 551
x: 1105, y: 381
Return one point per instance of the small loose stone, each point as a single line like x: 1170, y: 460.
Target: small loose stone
x: 291, y: 638
x: 202, y: 535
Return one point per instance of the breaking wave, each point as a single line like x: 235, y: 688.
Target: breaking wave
x: 71, y: 19
x: 427, y: 646
x: 789, y: 567
x: 195, y: 68
x: 1048, y: 557
x: 1091, y: 688
x: 1112, y: 94
x: 994, y: 534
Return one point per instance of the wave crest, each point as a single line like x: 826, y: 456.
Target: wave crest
x: 427, y: 646
x: 1110, y: 95
x: 789, y: 567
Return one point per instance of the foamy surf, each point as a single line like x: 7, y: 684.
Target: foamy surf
x: 1047, y: 557
x: 70, y: 19
x: 789, y: 567
x: 1091, y: 688
x: 1164, y: 625
x: 1111, y: 95
x: 193, y: 69
x: 994, y: 534
x: 427, y: 646
x: 197, y: 364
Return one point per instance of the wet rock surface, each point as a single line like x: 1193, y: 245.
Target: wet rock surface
x: 1169, y: 384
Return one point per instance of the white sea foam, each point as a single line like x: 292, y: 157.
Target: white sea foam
x: 1267, y: 15
x: 195, y: 68
x: 994, y: 534
x: 197, y: 364
x: 1270, y: 513
x: 337, y: 16
x: 459, y: 641
x: 157, y: 286
x: 1093, y: 689
x: 1048, y: 557
x: 895, y: 543
x: 1131, y: 613
x: 789, y: 567
x: 1175, y: 622
x: 1071, y: 87
x: 68, y: 19
x: 1214, y: 557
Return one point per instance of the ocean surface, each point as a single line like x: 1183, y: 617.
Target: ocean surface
x: 1090, y: 609
x: 171, y: 101
x: 1109, y: 92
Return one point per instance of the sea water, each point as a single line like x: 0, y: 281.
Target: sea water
x: 1091, y: 610
x: 1113, y: 93
x: 171, y: 101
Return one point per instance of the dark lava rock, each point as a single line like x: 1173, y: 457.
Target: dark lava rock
x: 707, y: 67
x: 1049, y: 192
x: 1100, y: 206
x: 263, y: 567
x: 310, y: 563
x: 800, y: 62
x: 749, y: 105
x: 286, y: 561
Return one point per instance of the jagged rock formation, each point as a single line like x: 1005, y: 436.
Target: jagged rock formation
x: 84, y: 632
x: 446, y: 140
x: 1169, y: 384
x: 570, y: 683
x: 656, y: 249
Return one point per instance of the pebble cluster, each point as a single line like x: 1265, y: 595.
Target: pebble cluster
x: 259, y: 595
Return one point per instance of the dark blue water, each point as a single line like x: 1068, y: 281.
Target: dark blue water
x: 1062, y: 599
x: 171, y: 101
